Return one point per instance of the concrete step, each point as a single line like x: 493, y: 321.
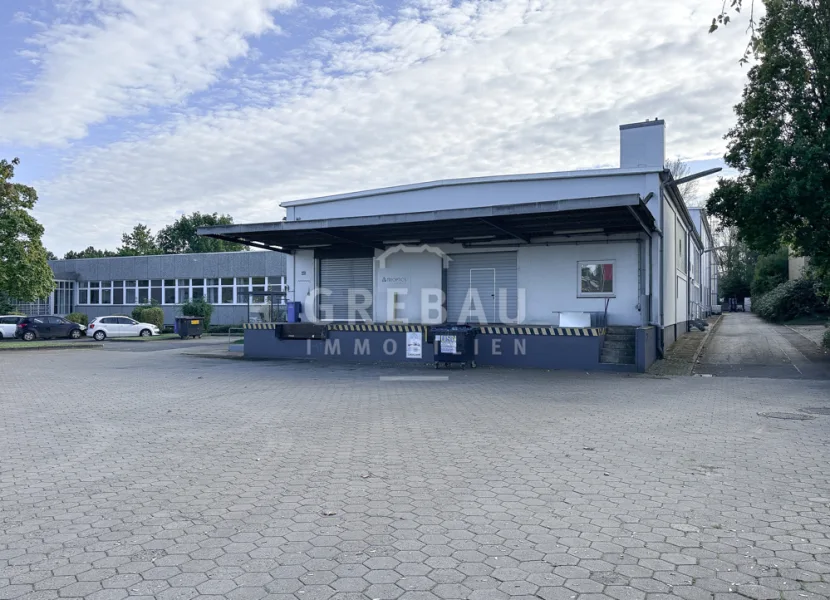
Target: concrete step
x: 626, y: 344
x: 616, y: 357
x: 619, y: 337
x: 620, y: 329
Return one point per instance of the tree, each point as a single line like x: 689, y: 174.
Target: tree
x: 25, y: 275
x: 140, y: 242
x: 181, y: 236
x: 688, y: 190
x: 90, y: 252
x: 724, y: 18
x: 737, y: 264
x: 50, y: 255
x: 781, y: 143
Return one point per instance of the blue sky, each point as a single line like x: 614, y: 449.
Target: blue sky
x: 126, y: 111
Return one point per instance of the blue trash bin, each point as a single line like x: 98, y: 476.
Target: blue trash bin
x: 292, y: 312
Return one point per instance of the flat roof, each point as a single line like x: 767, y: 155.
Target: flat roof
x: 474, y: 181
x: 518, y: 222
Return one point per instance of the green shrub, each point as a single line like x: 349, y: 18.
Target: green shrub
x: 770, y: 272
x: 789, y: 300
x: 198, y: 308
x: 77, y: 317
x: 149, y: 314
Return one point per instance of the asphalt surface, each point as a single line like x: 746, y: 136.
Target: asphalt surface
x: 746, y: 346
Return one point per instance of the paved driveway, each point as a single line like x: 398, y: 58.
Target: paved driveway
x: 746, y: 346
x: 155, y: 475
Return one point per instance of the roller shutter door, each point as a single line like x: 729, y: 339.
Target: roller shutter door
x: 490, y: 275
x: 339, y: 275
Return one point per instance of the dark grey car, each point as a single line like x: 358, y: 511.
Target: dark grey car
x: 32, y: 328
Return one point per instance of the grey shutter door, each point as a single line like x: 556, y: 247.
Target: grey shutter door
x: 339, y: 275
x: 491, y: 275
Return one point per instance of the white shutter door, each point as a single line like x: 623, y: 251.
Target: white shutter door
x: 339, y: 275
x: 492, y: 276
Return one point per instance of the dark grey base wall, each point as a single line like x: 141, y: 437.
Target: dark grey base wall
x: 646, y: 348
x: 541, y: 352
x: 222, y: 315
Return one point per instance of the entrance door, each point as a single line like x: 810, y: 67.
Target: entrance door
x: 486, y: 281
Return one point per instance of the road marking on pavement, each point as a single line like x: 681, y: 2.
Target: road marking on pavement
x: 415, y: 378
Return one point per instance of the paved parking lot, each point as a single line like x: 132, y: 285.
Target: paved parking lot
x: 152, y: 474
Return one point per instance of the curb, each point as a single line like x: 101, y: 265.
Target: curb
x: 229, y: 356
x: 63, y: 347
x: 709, y: 332
x: 820, y: 347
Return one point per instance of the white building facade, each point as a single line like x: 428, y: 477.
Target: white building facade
x: 610, y: 250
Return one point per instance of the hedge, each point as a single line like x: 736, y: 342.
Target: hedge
x: 149, y: 314
x: 788, y: 301
x: 77, y: 317
x: 198, y: 308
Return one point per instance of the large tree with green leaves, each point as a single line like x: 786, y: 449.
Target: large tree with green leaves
x: 89, y: 252
x: 781, y: 143
x: 181, y: 236
x: 139, y: 242
x: 24, y: 273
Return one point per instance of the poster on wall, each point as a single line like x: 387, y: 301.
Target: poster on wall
x: 413, y: 345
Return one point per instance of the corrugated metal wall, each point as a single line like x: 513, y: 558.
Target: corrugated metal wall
x: 493, y: 276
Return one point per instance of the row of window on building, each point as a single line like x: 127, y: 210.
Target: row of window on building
x: 225, y: 290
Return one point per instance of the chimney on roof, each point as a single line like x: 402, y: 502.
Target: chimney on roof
x: 643, y: 144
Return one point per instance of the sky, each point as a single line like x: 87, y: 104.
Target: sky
x: 127, y: 111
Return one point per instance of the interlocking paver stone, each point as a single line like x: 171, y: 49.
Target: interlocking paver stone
x: 204, y: 481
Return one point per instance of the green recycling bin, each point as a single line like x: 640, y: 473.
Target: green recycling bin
x: 190, y: 327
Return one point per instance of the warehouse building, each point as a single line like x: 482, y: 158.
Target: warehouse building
x: 106, y: 286
x: 586, y: 269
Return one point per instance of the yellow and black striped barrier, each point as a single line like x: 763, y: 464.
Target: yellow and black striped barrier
x: 554, y: 331
x: 260, y: 325
x: 383, y: 328
x: 485, y: 329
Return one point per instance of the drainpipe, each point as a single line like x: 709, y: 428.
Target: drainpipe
x: 661, y: 348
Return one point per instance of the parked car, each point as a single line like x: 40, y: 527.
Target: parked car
x: 103, y: 327
x: 31, y: 328
x: 8, y: 325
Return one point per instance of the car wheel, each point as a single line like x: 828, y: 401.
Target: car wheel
x: 145, y: 333
x: 75, y: 334
x: 29, y: 336
x: 100, y: 336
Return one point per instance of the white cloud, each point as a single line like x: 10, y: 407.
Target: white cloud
x: 438, y: 90
x: 118, y: 58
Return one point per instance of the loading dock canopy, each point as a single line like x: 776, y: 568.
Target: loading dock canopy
x: 517, y: 222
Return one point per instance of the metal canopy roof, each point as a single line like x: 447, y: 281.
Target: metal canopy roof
x: 516, y: 222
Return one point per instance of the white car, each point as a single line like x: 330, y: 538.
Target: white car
x: 103, y: 327
x: 8, y: 326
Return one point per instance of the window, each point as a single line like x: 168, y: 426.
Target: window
x: 144, y: 292
x: 227, y: 295
x: 170, y: 295
x: 681, y: 247
x: 118, y: 292
x: 596, y: 278
x: 94, y: 292
x: 125, y: 321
